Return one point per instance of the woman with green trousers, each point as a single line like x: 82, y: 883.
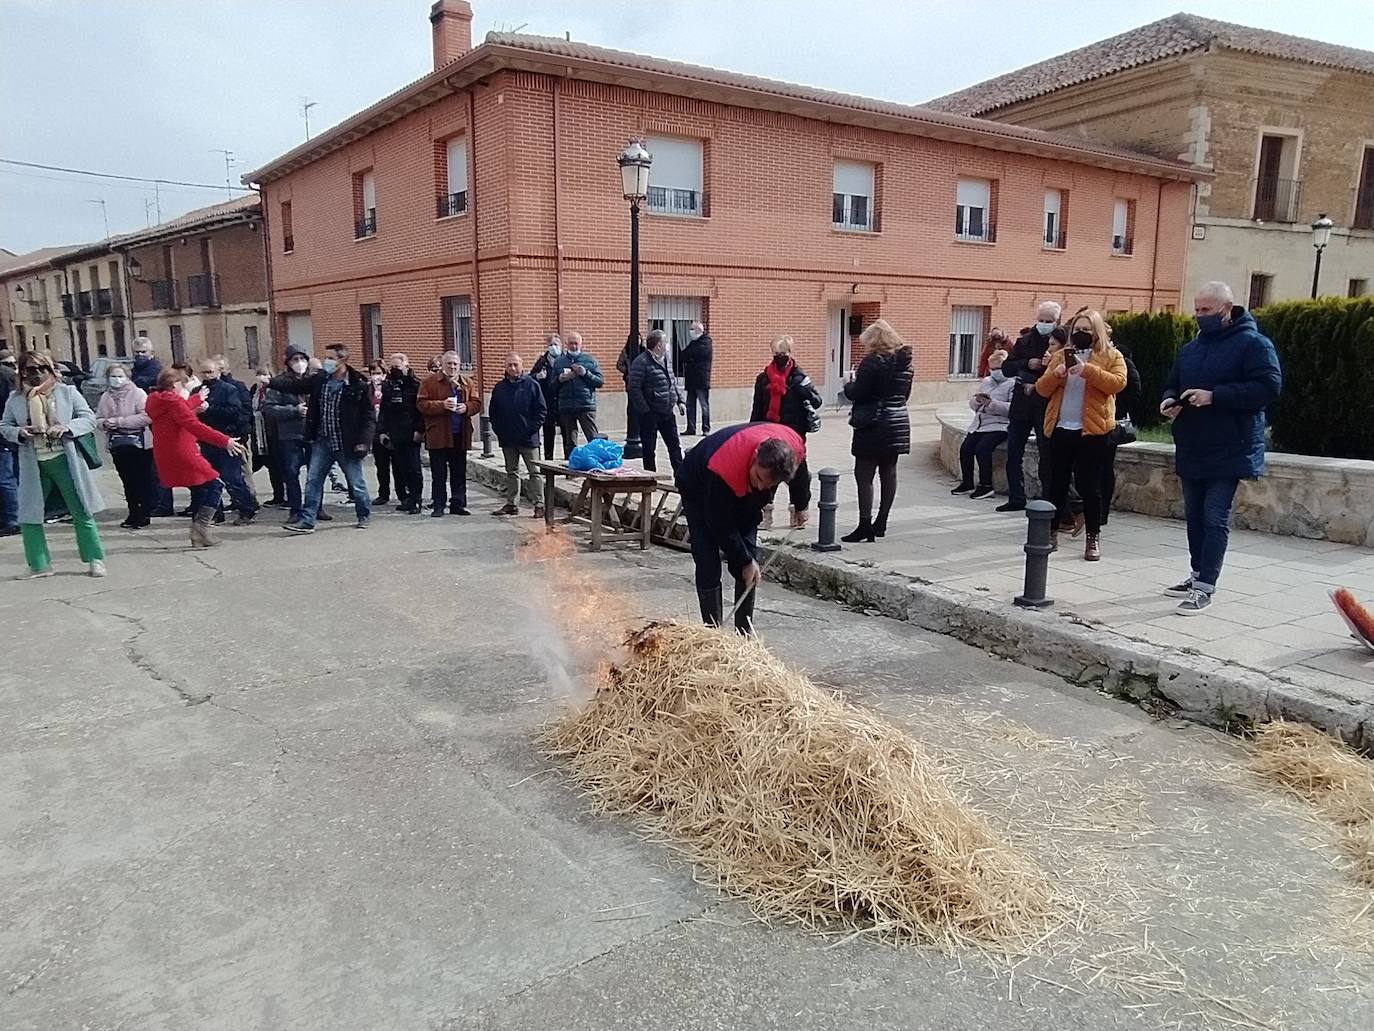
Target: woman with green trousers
x: 44, y: 417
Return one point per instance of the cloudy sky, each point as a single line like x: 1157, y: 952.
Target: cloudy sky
x: 154, y: 88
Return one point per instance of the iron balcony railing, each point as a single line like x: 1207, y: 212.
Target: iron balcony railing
x: 668, y: 200
x: 1123, y: 245
x: 104, y: 301
x: 365, y: 226
x: 164, y: 294
x: 202, y: 290
x: 85, y: 303
x: 446, y: 204
x: 1276, y: 200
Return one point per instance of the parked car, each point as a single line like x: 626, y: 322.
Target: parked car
x: 97, y: 381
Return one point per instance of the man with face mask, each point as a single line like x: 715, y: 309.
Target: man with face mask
x: 546, y: 376
x: 1221, y: 383
x: 696, y: 377
x: 1026, y: 364
x: 400, y: 428
x: 654, y: 396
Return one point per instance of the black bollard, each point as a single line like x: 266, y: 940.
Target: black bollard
x: 485, y: 424
x: 1039, y: 520
x: 828, y: 505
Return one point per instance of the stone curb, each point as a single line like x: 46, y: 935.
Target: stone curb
x: 1164, y: 680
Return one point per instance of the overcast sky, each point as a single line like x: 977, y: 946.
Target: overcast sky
x: 153, y: 87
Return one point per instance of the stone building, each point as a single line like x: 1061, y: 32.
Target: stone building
x: 480, y: 206
x: 1285, y: 125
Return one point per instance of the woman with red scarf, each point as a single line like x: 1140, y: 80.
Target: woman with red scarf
x: 784, y: 394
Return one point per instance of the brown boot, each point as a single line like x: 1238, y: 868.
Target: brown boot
x: 200, y: 528
x: 1091, y: 552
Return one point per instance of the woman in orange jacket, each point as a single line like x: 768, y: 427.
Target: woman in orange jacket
x: 1080, y: 384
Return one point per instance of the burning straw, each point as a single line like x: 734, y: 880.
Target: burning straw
x: 1328, y: 775
x: 810, y: 808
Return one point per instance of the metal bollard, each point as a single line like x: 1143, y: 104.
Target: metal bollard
x: 828, y: 505
x: 485, y: 428
x: 1039, y: 519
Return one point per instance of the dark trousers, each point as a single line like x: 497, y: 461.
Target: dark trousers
x: 230, y: 469
x: 979, y: 447
x: 550, y: 435
x: 651, y: 427
x: 703, y: 398
x: 1207, y: 509
x: 568, y: 422
x: 1018, y: 433
x: 886, y: 468
x: 1078, y: 456
x: 448, y: 468
x: 135, y: 468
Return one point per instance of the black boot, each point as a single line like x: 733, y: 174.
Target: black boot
x: 744, y: 608
x: 712, y: 606
x: 863, y: 532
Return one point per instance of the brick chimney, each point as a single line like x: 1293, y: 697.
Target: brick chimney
x: 452, y: 28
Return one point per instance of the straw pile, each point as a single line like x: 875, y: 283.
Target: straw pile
x: 1330, y: 776
x: 808, y: 807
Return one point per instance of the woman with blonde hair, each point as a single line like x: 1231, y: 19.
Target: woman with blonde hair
x: 1080, y: 385
x: 882, y: 429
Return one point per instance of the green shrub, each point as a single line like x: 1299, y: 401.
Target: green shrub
x: 1152, y: 339
x: 1326, y: 351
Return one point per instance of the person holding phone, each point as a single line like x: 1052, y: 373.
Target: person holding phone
x: 1216, y: 394
x: 1080, y: 385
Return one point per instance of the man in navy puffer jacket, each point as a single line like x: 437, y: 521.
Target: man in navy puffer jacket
x: 1221, y: 383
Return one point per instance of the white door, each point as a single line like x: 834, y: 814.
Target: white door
x: 300, y: 333
x: 837, y: 358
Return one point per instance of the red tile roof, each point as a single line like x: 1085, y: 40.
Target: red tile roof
x: 1176, y: 34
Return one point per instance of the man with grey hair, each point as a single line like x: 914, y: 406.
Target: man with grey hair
x: 1025, y: 365
x: 696, y: 377
x: 1221, y: 383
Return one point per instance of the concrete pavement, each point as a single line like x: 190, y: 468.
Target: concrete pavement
x: 293, y: 783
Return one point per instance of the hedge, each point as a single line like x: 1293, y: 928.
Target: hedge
x: 1326, y: 351
x: 1152, y: 339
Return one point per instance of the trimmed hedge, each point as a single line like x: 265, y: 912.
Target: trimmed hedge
x: 1326, y: 351
x: 1152, y: 339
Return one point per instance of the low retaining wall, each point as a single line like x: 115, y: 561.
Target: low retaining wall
x: 1319, y: 498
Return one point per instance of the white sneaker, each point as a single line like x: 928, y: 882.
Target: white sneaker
x: 97, y: 568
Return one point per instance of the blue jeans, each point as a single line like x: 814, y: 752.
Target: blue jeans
x: 9, y: 488
x: 294, y: 455
x: 230, y: 469
x: 1207, y: 508
x: 322, y: 459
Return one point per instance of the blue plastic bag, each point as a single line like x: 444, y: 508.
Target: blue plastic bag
x: 597, y: 454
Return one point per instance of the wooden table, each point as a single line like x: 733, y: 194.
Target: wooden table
x: 598, y: 493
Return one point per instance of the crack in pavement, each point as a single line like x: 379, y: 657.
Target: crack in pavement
x: 132, y: 653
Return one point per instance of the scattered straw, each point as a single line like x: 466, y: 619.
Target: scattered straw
x: 1329, y: 775
x: 808, y: 807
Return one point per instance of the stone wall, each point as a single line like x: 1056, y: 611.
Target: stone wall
x: 1320, y: 498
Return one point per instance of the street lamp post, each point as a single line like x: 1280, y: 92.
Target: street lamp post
x: 634, y: 162
x: 1321, y: 236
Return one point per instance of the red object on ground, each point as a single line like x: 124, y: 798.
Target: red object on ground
x: 1358, y: 618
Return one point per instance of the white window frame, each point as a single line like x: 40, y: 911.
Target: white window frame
x: 675, y: 187
x: 968, y: 192
x: 1054, y: 218
x: 852, y: 181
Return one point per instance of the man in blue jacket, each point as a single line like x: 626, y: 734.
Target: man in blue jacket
x: 517, y: 413
x: 1221, y: 383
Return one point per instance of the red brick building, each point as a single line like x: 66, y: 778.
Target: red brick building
x: 481, y: 206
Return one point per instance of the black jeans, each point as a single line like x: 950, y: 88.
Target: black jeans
x: 135, y: 468
x: 448, y: 468
x: 886, y: 468
x: 1078, y: 456
x: 701, y: 397
x: 1018, y: 433
x: 568, y: 422
x: 979, y: 446
x: 651, y: 427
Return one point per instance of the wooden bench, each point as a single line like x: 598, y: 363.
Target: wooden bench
x: 596, y: 505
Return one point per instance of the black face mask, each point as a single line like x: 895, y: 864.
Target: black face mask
x: 1080, y: 340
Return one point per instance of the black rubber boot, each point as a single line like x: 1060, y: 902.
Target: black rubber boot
x: 744, y: 610
x: 712, y: 606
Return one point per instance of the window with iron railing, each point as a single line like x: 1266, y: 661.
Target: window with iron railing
x: 668, y: 200
x: 447, y: 204
x: 165, y: 294
x: 104, y: 301
x: 202, y: 290
x: 1277, y: 200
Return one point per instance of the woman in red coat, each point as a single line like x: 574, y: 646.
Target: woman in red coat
x: 176, y: 432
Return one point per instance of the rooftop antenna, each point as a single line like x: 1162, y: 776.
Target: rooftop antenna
x: 306, y: 105
x: 101, y: 202
x: 228, y: 161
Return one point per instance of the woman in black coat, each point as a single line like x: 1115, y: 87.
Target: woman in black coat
x: 784, y: 394
x: 882, y: 429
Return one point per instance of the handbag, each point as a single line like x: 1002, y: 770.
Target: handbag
x: 89, y: 450
x: 1123, y: 433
